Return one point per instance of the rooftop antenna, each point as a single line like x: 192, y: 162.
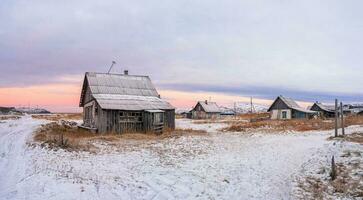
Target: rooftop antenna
x: 113, y: 63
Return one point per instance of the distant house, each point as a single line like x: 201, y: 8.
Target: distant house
x: 123, y: 103
x: 287, y: 108
x: 6, y: 110
x: 186, y: 114
x: 353, y: 108
x: 205, y: 110
x: 324, y: 111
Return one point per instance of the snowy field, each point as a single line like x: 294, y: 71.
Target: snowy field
x: 213, y: 166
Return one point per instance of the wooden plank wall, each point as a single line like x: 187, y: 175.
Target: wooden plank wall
x: 109, y: 121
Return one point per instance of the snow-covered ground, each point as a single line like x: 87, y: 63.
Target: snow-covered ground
x: 214, y: 166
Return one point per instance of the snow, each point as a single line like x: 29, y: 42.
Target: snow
x: 215, y: 166
x: 32, y: 110
x: 241, y: 107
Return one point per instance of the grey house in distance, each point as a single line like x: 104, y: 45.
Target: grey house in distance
x: 287, y: 108
x: 324, y: 111
x: 123, y: 103
x: 205, y: 110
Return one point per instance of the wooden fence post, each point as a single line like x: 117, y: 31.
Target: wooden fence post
x: 342, y: 118
x: 333, y: 173
x: 336, y: 118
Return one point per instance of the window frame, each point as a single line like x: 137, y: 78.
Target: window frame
x: 284, y: 114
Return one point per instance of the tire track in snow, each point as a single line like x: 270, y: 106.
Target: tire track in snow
x: 14, y: 163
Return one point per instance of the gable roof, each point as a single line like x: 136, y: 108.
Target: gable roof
x: 209, y: 107
x: 123, y: 92
x: 327, y: 108
x: 291, y: 104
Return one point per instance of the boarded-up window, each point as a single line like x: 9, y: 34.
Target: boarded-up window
x: 88, y: 112
x: 158, y: 118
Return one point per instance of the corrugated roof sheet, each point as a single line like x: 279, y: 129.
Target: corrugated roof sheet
x: 211, y: 107
x: 293, y: 105
x: 101, y: 83
x: 328, y: 108
x: 155, y: 111
x: 289, y: 102
x: 131, y: 102
x: 124, y: 92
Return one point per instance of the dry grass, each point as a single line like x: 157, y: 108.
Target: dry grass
x: 292, y: 125
x: 356, y: 137
x: 248, y: 117
x: 9, y: 117
x: 63, y: 135
x: 312, y: 188
x: 67, y: 135
x: 344, y: 185
x: 57, y: 117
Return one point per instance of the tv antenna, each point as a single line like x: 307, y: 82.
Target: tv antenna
x: 113, y: 63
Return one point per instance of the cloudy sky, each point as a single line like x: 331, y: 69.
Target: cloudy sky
x: 227, y: 50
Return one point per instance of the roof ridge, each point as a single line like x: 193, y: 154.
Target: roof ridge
x: 117, y: 74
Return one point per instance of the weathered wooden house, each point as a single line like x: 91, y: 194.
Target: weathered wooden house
x: 287, y: 108
x: 123, y: 103
x: 323, y: 111
x: 205, y: 110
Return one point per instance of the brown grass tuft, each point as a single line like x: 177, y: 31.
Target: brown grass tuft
x: 356, y: 137
x: 292, y: 125
x: 65, y: 135
x: 57, y: 117
x: 9, y: 117
x: 249, y: 116
x: 347, y: 183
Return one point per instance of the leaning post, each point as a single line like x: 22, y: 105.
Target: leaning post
x: 333, y: 172
x: 336, y: 118
x: 342, y: 118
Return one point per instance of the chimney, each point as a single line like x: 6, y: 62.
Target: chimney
x: 126, y: 72
x: 206, y: 102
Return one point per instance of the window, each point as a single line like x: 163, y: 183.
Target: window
x: 130, y: 117
x: 96, y: 110
x: 158, y: 118
x: 284, y: 114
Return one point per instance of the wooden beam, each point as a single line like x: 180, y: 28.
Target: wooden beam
x: 342, y: 118
x: 336, y: 118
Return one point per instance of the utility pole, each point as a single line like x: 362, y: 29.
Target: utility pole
x: 251, y: 106
x: 342, y: 118
x: 336, y: 118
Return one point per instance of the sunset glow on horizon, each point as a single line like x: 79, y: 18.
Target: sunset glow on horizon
x: 65, y: 97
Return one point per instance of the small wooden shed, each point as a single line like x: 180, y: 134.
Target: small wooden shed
x: 205, y: 110
x: 287, y: 108
x: 324, y: 111
x: 123, y: 103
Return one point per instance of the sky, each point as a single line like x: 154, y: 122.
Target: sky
x: 193, y: 50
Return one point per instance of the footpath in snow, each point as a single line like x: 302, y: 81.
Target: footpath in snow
x: 217, y: 166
